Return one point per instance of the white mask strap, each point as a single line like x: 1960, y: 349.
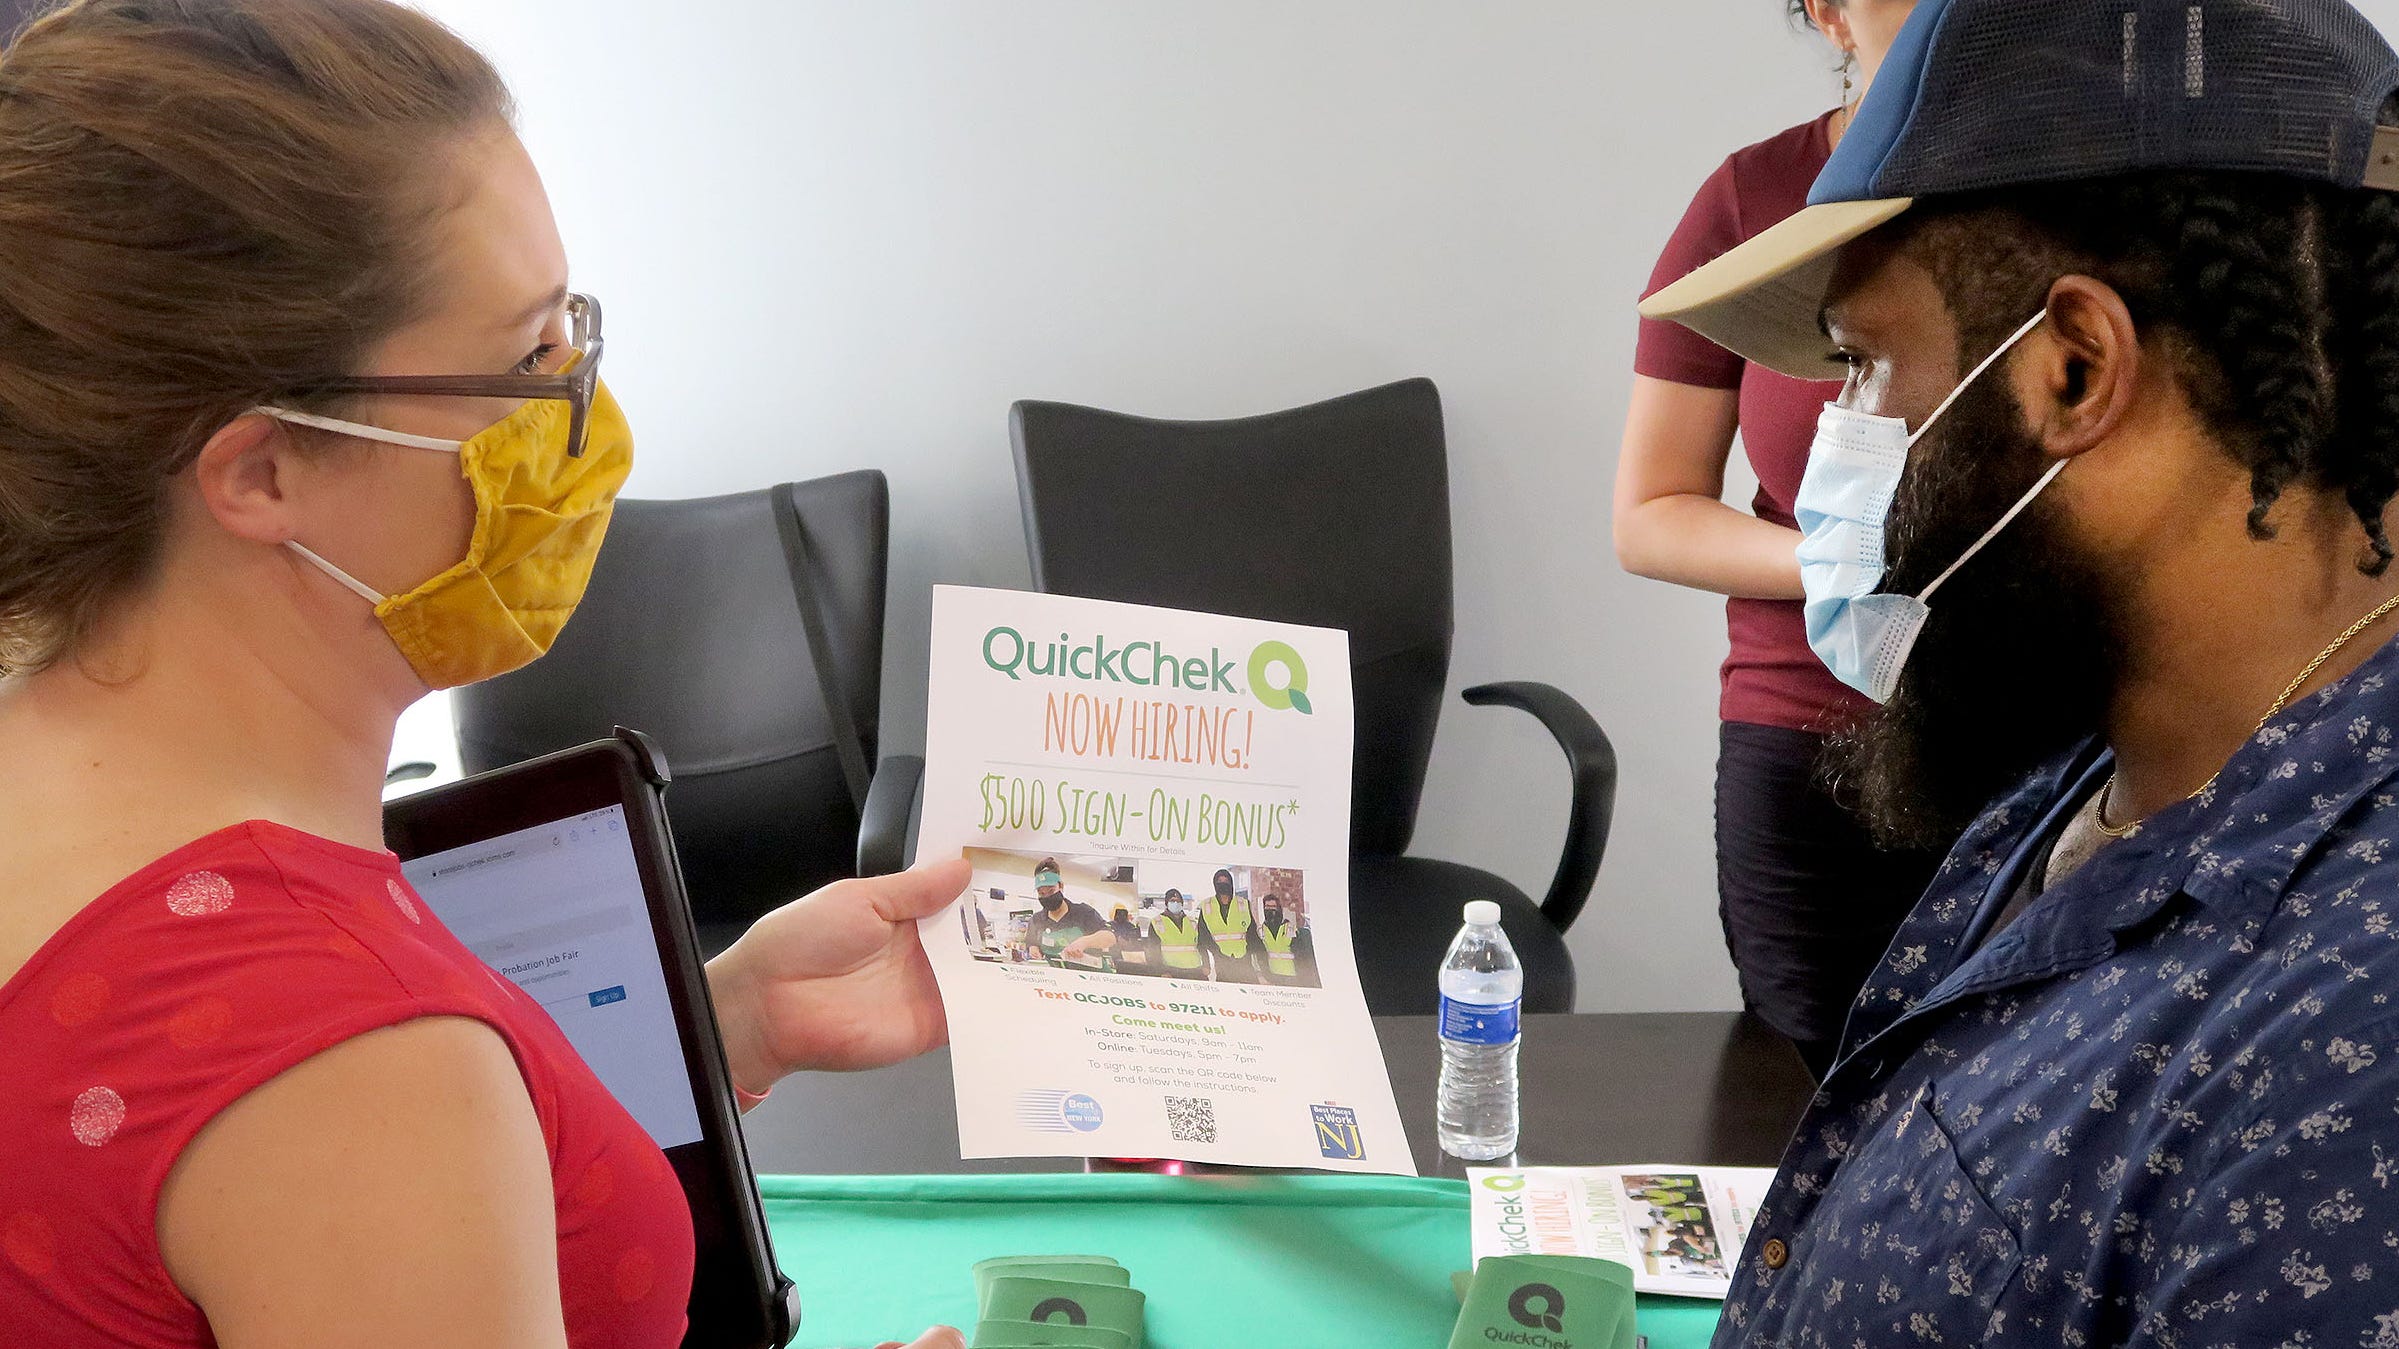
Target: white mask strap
x: 358, y: 587
x: 1977, y: 373
x: 1993, y: 532
x: 362, y: 430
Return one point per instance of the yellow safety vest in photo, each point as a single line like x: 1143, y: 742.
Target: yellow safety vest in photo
x: 1279, y: 959
x: 1178, y: 942
x: 1232, y: 930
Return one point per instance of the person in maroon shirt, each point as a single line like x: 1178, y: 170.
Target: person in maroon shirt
x: 1807, y: 902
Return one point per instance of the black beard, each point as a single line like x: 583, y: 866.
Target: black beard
x: 2016, y: 662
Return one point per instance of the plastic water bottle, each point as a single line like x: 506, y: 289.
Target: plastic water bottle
x: 1482, y: 990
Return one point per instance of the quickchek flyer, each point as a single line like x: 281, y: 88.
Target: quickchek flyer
x: 1152, y: 958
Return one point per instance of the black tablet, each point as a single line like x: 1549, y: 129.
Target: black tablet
x: 559, y: 873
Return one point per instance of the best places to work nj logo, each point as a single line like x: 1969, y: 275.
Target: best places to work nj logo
x: 1337, y: 1133
x: 1275, y: 673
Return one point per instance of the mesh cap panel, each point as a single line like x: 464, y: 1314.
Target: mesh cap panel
x: 2021, y: 91
x: 1984, y: 94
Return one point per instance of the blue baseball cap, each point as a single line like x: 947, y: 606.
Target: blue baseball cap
x: 1981, y: 94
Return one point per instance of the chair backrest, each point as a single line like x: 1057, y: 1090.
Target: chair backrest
x: 1335, y: 514
x: 690, y: 632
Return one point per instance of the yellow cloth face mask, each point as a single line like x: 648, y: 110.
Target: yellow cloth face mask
x: 539, y: 519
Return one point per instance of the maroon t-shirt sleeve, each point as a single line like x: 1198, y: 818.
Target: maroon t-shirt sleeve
x: 1710, y: 228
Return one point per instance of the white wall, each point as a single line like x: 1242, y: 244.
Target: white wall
x: 900, y: 215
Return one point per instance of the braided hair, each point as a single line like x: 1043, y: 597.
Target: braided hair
x: 2275, y: 300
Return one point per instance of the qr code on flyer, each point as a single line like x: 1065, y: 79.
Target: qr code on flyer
x: 1191, y: 1119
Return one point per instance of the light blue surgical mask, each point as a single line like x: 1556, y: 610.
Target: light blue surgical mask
x: 1854, y: 468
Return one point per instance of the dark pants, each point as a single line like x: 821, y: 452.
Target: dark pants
x: 1808, y: 903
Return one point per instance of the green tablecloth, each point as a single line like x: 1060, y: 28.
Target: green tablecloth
x: 1308, y: 1260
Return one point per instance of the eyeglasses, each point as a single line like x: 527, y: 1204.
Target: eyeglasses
x: 574, y: 386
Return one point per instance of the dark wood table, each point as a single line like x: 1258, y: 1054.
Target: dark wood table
x: 1698, y: 1088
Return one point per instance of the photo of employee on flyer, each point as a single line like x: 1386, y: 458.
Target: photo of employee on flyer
x: 1039, y: 908
x: 1231, y: 925
x: 1104, y: 915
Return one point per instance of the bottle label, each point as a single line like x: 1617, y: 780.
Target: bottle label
x: 1474, y: 1023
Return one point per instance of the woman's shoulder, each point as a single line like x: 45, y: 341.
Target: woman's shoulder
x: 256, y: 903
x: 1794, y: 153
x: 218, y: 965
x: 211, y: 971
x: 1754, y: 187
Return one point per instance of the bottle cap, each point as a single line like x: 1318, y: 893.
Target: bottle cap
x: 1482, y: 912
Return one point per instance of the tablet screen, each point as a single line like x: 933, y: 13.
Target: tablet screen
x: 559, y: 909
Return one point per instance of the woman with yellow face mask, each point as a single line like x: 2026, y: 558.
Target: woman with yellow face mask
x: 299, y: 418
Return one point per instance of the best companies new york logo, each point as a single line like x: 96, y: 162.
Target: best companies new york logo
x: 1277, y: 675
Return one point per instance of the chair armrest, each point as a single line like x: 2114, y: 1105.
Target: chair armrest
x: 883, y: 825
x: 1591, y: 764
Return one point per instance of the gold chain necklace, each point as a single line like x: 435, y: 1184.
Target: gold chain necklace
x: 2107, y: 790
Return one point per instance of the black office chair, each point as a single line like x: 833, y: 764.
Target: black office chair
x: 1336, y: 515
x: 719, y: 626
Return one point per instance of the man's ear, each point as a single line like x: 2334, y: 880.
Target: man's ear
x: 2082, y: 369
x: 242, y: 476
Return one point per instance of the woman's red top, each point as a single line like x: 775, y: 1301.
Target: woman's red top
x: 207, y: 973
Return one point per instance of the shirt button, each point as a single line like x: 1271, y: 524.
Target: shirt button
x: 1775, y: 1253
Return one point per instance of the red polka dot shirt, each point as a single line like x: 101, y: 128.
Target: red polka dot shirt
x: 207, y: 973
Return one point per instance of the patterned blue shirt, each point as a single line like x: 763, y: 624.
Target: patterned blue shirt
x: 2160, y: 1108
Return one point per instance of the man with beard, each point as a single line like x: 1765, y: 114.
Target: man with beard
x: 2116, y: 289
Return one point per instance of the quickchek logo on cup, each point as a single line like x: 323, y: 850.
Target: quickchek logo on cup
x: 1277, y: 674
x: 1537, y: 1306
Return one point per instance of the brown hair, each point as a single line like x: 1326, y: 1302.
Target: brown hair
x: 203, y: 203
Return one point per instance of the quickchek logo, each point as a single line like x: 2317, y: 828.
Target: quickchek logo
x: 1510, y: 1219
x: 1065, y: 1309
x: 1537, y: 1306
x: 1277, y: 676
x: 1277, y: 658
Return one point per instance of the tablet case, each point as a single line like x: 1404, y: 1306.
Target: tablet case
x: 768, y: 1302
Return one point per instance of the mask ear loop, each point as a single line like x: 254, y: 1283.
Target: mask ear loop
x: 1993, y: 532
x: 1977, y: 373
x: 364, y: 432
x: 2021, y: 502
x: 361, y: 430
x: 357, y: 587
